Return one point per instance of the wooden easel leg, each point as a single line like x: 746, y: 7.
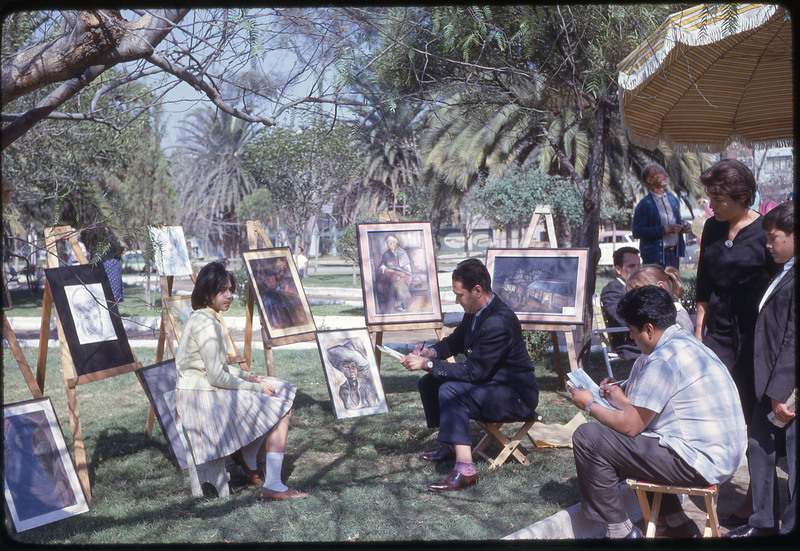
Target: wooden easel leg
x: 269, y: 359
x: 77, y: 443
x: 44, y: 336
x: 16, y: 349
x: 557, y: 357
x: 378, y: 341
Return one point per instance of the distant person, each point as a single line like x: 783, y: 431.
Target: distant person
x: 657, y: 222
x: 669, y: 279
x: 226, y: 410
x: 111, y: 251
x: 775, y: 383
x: 626, y: 261
x: 495, y: 382
x: 72, y: 258
x: 677, y: 422
x: 301, y: 260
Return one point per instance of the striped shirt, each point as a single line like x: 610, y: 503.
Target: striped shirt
x: 698, y: 412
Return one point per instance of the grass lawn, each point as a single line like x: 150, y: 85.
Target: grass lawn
x: 365, y: 480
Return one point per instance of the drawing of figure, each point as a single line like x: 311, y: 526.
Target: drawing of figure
x: 279, y: 295
x: 395, y: 275
x: 358, y: 391
x: 92, y: 320
x: 35, y: 475
x: 171, y: 254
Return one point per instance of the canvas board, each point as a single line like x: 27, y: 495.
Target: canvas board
x: 351, y: 372
x: 398, y: 273
x: 41, y: 484
x: 157, y: 379
x: 541, y: 285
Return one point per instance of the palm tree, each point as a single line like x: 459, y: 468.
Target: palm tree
x: 215, y: 178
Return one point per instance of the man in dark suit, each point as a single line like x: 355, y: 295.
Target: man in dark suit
x: 775, y: 383
x: 626, y: 261
x: 496, y: 382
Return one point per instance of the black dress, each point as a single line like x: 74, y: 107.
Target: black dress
x: 732, y: 281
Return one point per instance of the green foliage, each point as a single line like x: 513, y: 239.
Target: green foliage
x: 512, y: 197
x: 537, y: 343
x: 258, y: 205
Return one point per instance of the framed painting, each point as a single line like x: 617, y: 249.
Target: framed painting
x: 351, y: 371
x: 158, y: 379
x: 279, y: 294
x: 40, y: 481
x: 398, y: 273
x: 91, y: 322
x: 169, y: 251
x: 541, y: 285
x: 179, y: 308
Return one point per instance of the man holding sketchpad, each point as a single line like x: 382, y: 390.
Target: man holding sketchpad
x: 678, y: 421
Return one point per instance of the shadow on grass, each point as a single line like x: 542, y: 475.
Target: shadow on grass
x: 562, y: 493
x: 118, y: 441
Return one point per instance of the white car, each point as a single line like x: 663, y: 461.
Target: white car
x: 611, y: 241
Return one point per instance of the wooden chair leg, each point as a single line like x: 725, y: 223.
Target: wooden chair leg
x: 712, y: 520
x: 651, y: 522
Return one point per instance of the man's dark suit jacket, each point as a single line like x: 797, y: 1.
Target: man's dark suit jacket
x: 774, y: 346
x: 494, y: 350
x: 610, y: 296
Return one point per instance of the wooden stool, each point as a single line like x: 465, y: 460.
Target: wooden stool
x: 650, y: 515
x: 510, y: 446
x: 212, y: 472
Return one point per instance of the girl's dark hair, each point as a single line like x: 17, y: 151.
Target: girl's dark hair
x: 780, y: 218
x: 730, y: 177
x: 211, y: 280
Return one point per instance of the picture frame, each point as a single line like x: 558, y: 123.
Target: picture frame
x: 158, y: 379
x: 169, y: 251
x: 91, y: 322
x: 546, y: 286
x: 281, y: 299
x: 41, y: 483
x: 399, y: 278
x: 351, y: 373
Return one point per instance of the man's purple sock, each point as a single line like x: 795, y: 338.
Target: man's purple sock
x: 467, y: 469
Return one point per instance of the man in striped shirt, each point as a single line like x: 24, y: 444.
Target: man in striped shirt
x: 679, y: 421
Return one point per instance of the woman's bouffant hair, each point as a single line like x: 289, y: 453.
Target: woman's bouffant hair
x: 730, y: 177
x: 653, y: 274
x: 211, y: 280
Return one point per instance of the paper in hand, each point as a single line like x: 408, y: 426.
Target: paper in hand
x: 579, y: 378
x: 390, y: 351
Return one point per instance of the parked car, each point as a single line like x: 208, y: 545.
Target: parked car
x: 611, y: 241
x: 133, y: 262
x: 692, y: 250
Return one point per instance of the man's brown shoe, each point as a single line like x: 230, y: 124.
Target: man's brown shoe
x: 288, y: 493
x: 453, y: 482
x: 442, y: 454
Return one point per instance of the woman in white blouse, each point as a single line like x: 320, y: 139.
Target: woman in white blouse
x: 226, y: 410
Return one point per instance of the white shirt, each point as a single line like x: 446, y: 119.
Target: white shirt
x: 774, y: 283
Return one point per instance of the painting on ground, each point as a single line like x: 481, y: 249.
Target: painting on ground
x: 398, y: 273
x: 40, y: 482
x: 279, y: 294
x: 540, y: 285
x: 351, y: 371
x: 158, y: 379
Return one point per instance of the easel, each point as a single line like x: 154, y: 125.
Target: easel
x: 376, y: 331
x: 71, y: 381
x: 255, y: 231
x: 554, y: 329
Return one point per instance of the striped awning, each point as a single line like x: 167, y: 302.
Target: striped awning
x: 698, y: 83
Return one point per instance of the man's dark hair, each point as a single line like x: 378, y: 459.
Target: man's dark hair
x: 648, y: 304
x: 780, y: 218
x: 730, y: 177
x: 650, y: 170
x: 472, y: 272
x: 619, y: 254
x: 211, y: 280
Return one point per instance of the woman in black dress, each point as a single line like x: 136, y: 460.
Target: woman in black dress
x: 733, y: 272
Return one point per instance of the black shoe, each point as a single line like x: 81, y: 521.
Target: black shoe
x: 748, y: 531
x: 635, y: 533
x: 686, y: 530
x: 733, y: 521
x: 442, y: 454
